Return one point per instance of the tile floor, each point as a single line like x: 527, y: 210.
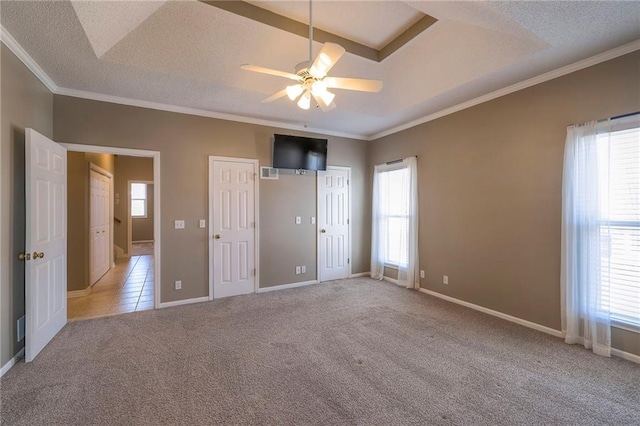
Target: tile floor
x: 127, y: 287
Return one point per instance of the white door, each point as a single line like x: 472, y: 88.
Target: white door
x: 232, y: 218
x: 46, y: 237
x: 99, y: 238
x: 333, y: 223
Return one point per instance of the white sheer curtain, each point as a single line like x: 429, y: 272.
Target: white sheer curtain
x: 586, y: 317
x: 394, y: 238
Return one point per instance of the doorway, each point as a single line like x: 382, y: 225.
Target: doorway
x: 334, y: 228
x: 129, y: 281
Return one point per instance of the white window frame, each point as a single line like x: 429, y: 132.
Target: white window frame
x: 387, y: 169
x: 145, y: 199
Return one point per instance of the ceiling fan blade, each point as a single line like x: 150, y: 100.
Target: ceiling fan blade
x: 269, y: 71
x: 323, y: 106
x: 358, y: 84
x: 275, y: 96
x: 327, y: 58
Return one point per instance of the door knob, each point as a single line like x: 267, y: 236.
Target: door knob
x: 24, y: 256
x: 38, y: 255
x: 217, y: 236
x: 323, y: 230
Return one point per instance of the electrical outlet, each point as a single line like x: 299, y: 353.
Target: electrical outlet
x: 178, y: 224
x: 313, y: 220
x: 445, y: 279
x: 203, y: 223
x: 421, y: 273
x: 298, y: 220
x: 297, y: 270
x: 178, y: 285
x: 303, y: 269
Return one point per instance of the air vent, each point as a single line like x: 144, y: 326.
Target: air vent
x: 268, y: 173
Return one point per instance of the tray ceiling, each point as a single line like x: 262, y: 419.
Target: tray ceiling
x: 187, y: 54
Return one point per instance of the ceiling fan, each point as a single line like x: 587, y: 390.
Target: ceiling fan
x: 311, y: 77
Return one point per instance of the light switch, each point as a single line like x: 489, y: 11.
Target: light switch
x: 313, y: 220
x: 298, y: 220
x: 202, y: 223
x: 178, y: 224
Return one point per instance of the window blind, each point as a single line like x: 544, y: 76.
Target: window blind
x: 620, y: 230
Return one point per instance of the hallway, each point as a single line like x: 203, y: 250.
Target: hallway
x: 127, y: 287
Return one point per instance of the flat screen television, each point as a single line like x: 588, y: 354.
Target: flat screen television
x: 297, y: 152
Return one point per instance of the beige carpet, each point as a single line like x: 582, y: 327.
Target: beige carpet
x: 358, y: 352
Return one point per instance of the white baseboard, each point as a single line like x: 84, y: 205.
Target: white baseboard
x: 391, y: 280
x: 78, y: 293
x: 184, y: 302
x: 360, y: 274
x: 625, y: 355
x: 529, y: 324
x: 286, y: 286
x: 141, y: 241
x: 11, y: 362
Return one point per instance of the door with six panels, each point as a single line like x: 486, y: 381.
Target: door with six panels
x: 232, y: 222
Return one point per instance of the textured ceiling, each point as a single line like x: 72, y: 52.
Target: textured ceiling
x: 187, y: 54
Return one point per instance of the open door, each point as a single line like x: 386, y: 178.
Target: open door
x: 46, y: 234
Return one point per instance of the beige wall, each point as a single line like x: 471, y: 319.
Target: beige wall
x: 132, y: 169
x: 25, y: 103
x: 490, y: 189
x: 78, y: 164
x: 289, y: 196
x: 185, y: 142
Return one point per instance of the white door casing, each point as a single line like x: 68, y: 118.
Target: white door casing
x: 99, y: 224
x: 232, y: 224
x: 46, y: 241
x: 333, y: 223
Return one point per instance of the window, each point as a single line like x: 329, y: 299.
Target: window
x: 394, y: 231
x: 619, y: 167
x: 395, y: 215
x: 138, y: 200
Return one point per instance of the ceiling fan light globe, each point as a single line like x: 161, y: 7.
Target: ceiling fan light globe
x: 294, y: 91
x: 305, y: 101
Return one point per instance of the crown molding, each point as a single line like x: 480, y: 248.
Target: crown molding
x: 26, y: 59
x: 568, y: 69
x: 33, y: 66
x: 201, y: 112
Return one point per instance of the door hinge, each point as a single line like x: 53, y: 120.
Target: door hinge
x: 348, y: 260
x: 347, y: 221
x: 254, y: 272
x: 347, y: 181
